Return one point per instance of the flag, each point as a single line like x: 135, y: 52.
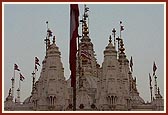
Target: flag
x: 150, y: 80
x: 122, y: 28
x: 37, y: 61
x: 154, y: 68
x: 131, y: 64
x: 21, y: 77
x: 74, y: 23
x: 16, y: 67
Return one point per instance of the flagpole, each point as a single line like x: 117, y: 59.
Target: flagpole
x: 33, y: 82
x: 13, y: 83
x: 155, y: 85
x: 114, y: 33
x: 18, y: 90
x: 35, y: 76
x: 151, y: 92
x: 118, y: 39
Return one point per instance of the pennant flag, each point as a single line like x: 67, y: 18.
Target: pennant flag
x: 74, y: 23
x: 150, y: 80
x: 16, y: 67
x: 122, y: 28
x: 37, y: 61
x: 154, y: 68
x: 131, y: 64
x: 21, y: 77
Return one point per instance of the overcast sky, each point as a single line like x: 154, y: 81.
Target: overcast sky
x: 25, y: 31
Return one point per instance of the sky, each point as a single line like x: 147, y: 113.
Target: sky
x: 25, y: 31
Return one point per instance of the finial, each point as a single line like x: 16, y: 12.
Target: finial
x: 53, y: 39
x: 114, y: 31
x: 110, y: 39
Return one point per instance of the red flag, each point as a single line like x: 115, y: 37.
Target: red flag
x: 37, y: 61
x: 122, y: 28
x: 21, y: 77
x: 154, y: 68
x: 16, y: 67
x: 74, y: 23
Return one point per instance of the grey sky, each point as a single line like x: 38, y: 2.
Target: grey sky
x: 25, y: 30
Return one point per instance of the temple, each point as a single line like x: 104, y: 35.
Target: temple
x: 109, y: 86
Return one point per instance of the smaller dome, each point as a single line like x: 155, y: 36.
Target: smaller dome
x: 110, y: 49
x: 53, y: 50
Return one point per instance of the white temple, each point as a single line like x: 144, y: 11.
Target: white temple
x: 109, y: 86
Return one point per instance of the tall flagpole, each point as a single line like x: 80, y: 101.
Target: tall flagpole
x: 18, y: 91
x: 74, y: 23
